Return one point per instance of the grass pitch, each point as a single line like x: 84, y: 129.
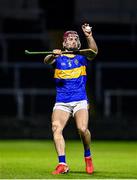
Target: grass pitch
x: 24, y: 159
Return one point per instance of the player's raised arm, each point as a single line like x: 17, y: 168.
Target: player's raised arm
x: 50, y: 59
x: 90, y: 40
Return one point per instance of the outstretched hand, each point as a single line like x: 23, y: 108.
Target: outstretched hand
x: 87, y: 30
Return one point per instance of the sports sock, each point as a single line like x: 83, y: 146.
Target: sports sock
x: 87, y: 153
x: 62, y: 159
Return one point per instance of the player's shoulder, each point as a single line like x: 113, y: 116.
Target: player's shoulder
x: 82, y: 59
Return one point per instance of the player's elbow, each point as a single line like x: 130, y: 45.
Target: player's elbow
x: 93, y: 54
x: 49, y: 59
x: 95, y: 50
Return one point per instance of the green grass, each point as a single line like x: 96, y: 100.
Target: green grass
x: 37, y: 159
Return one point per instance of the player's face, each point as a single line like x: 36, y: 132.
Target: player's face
x: 71, y: 42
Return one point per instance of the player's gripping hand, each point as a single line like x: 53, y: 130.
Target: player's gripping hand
x: 57, y: 52
x: 50, y: 59
x: 87, y: 30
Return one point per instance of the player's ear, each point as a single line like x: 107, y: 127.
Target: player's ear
x: 79, y: 44
x: 64, y: 44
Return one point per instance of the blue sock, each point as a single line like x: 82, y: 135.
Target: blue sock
x: 62, y: 159
x: 87, y: 153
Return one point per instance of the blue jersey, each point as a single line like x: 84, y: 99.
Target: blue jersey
x: 70, y: 77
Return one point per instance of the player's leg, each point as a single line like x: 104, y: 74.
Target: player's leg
x: 59, y: 120
x: 81, y: 118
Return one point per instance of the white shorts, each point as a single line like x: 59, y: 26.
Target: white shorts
x: 71, y: 107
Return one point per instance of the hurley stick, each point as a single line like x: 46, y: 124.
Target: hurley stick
x: 82, y: 52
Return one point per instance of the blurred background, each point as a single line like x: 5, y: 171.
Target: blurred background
x: 27, y: 90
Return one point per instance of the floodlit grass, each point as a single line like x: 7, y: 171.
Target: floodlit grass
x: 29, y: 159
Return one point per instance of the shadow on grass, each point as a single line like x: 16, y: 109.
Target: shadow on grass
x: 78, y: 172
x: 103, y: 175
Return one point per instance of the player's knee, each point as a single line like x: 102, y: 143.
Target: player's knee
x: 82, y: 130
x: 56, y: 127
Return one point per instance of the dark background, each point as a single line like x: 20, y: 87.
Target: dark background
x: 27, y: 90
